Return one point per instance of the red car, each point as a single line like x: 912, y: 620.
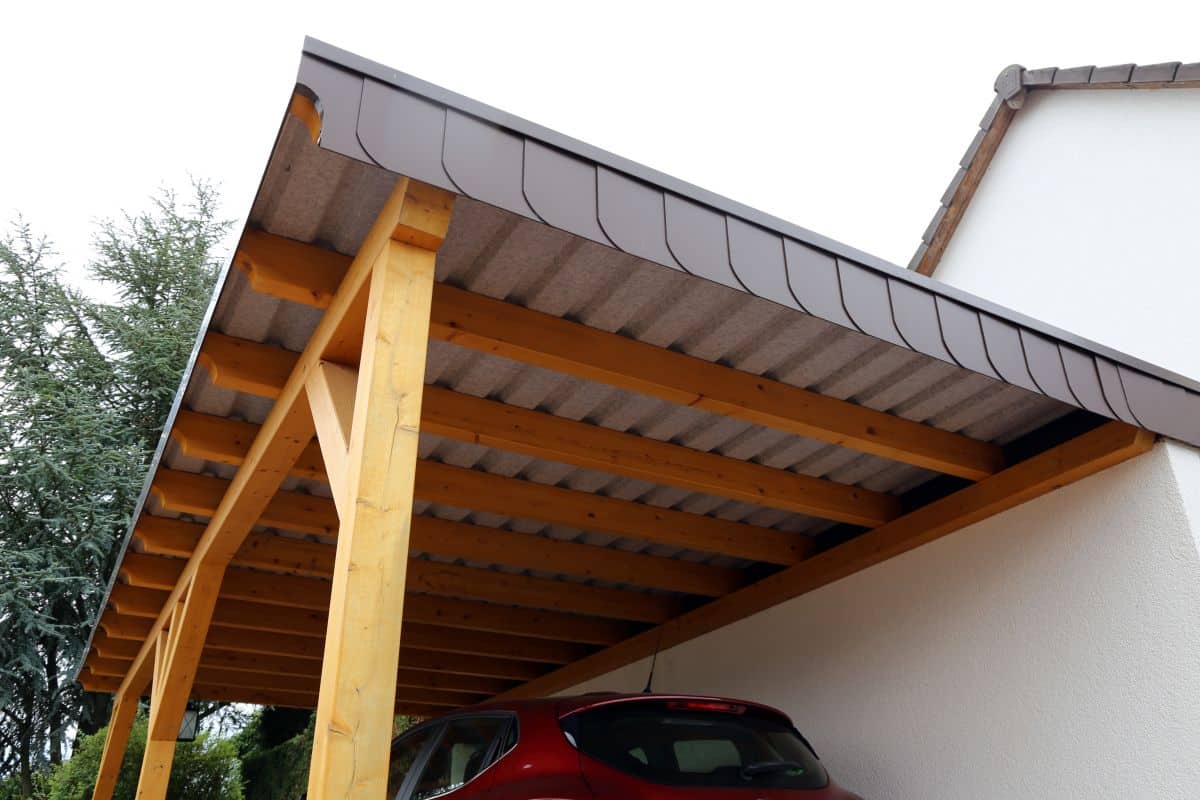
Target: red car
x: 610, y: 747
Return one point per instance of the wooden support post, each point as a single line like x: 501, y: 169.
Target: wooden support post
x: 362, y: 644
x: 176, y: 659
x: 119, y: 726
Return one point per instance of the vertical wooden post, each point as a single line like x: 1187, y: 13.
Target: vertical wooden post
x: 176, y: 658
x: 358, y: 676
x: 119, y: 726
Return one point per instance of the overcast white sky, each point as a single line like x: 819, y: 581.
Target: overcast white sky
x: 846, y: 118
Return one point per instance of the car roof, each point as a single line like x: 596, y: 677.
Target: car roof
x: 563, y: 706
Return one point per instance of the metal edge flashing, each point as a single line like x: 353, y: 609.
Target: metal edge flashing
x: 407, y: 126
x: 1011, y: 86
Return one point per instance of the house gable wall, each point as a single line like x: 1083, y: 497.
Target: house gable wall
x: 1087, y: 218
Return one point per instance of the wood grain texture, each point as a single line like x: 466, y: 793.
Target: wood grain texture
x: 491, y: 326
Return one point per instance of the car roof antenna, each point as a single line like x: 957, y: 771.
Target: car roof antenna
x: 653, y: 663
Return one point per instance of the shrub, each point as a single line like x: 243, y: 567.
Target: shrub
x: 206, y: 769
x: 10, y: 787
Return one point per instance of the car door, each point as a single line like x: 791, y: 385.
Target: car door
x: 455, y: 764
x: 408, y: 756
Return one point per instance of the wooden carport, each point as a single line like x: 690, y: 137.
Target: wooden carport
x: 586, y: 489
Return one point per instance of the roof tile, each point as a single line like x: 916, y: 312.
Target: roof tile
x: 1039, y: 77
x: 1072, y: 75
x: 976, y: 143
x: 953, y: 187
x: 1155, y: 73
x: 1118, y: 73
x: 1188, y: 72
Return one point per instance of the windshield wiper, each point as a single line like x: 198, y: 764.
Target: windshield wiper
x: 750, y: 771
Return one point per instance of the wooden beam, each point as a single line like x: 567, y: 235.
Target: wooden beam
x: 246, y: 366
x: 177, y: 658
x: 268, y: 262
x: 304, y: 109
x: 353, y: 728
x: 285, y: 699
x: 173, y: 537
x: 109, y: 667
x: 1085, y: 455
x: 442, y: 614
x: 106, y: 647
x: 126, y: 629
x: 227, y: 441
x: 492, y: 424
x: 303, y: 647
x: 455, y: 540
x: 442, y: 483
x: 241, y: 679
x: 288, y: 269
x: 498, y: 328
x: 98, y: 683
x: 541, y: 435
x: 331, y: 389
x: 492, y: 326
x: 120, y: 724
x: 286, y: 665
x: 428, y: 577
x: 266, y: 551
x: 517, y: 648
x: 190, y: 493
x: 250, y: 616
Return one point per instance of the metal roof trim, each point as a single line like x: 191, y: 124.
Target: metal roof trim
x: 497, y: 158
x: 1011, y: 85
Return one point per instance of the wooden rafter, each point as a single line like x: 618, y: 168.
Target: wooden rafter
x: 241, y: 615
x: 451, y: 612
x: 1078, y: 458
x: 491, y: 326
x: 283, y: 667
x: 189, y: 493
x: 541, y: 435
x: 428, y: 577
x: 231, y: 641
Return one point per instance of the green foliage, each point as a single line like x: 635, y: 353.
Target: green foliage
x: 84, y: 391
x: 67, y: 480
x: 161, y: 265
x: 12, y: 789
x: 275, y: 748
x: 206, y: 769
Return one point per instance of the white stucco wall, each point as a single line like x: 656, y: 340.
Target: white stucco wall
x: 1051, y: 651
x: 1089, y: 218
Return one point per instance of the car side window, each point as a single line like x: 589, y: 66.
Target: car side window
x: 405, y: 752
x: 461, y: 754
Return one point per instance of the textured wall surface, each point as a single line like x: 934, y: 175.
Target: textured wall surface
x: 1086, y: 219
x: 1051, y: 651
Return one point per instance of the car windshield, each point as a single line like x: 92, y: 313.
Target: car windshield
x: 682, y: 743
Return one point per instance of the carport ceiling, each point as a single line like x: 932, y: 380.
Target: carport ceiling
x: 648, y: 412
